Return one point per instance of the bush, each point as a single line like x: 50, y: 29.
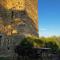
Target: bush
x: 26, y: 43
x: 53, y: 46
x: 31, y: 42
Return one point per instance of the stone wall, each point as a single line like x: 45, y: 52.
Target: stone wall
x: 18, y: 18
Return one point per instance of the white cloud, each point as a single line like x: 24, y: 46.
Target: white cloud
x: 42, y: 29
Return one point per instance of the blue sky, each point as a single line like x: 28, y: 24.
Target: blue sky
x: 49, y: 17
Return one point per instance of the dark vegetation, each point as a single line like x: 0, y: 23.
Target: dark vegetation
x: 29, y: 43
x: 34, y: 42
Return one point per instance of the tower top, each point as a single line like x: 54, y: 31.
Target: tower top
x: 13, y: 4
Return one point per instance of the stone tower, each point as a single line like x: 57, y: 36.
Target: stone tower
x: 17, y: 11
x: 17, y: 18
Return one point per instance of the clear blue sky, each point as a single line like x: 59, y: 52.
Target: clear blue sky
x: 49, y: 17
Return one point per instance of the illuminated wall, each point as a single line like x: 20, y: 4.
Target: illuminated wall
x: 13, y: 4
x: 16, y: 11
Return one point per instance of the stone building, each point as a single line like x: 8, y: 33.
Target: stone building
x: 18, y: 18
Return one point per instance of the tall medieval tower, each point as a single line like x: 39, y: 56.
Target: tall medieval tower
x: 17, y: 18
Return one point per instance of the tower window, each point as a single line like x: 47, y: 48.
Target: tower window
x: 19, y: 6
x: 0, y: 39
x: 8, y: 48
x: 18, y: 2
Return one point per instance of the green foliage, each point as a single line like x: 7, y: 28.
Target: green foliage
x: 54, y: 39
x: 50, y: 42
x: 53, y: 46
x: 31, y: 42
x: 53, y: 43
x: 26, y: 43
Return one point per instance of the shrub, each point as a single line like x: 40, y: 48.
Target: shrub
x: 54, y: 47
x: 26, y: 43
